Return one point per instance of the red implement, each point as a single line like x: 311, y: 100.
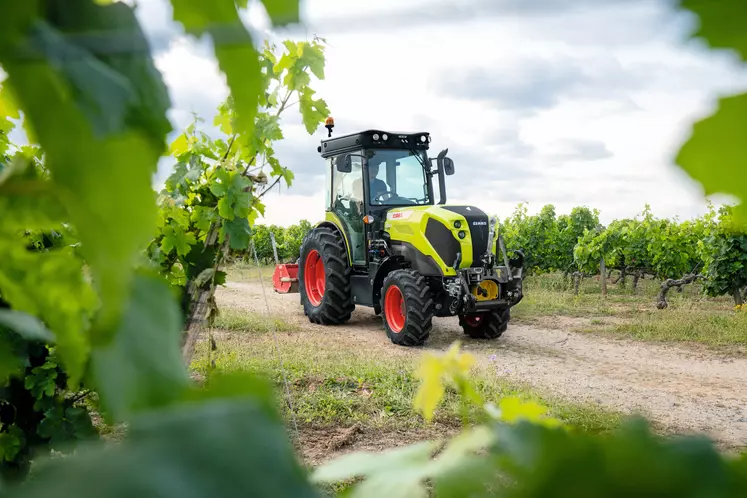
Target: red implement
x: 285, y: 279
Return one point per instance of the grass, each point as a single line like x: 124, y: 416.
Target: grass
x: 244, y: 271
x: 690, y: 317
x: 340, y: 387
x: 708, y: 328
x: 242, y: 321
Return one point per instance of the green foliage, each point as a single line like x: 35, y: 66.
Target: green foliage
x: 288, y: 242
x: 726, y: 259
x: 225, y: 440
x: 546, y: 239
x: 113, y: 110
x: 210, y: 201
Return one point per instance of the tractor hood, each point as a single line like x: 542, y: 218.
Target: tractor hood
x: 441, y: 232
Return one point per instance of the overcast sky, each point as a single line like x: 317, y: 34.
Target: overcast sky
x: 568, y: 102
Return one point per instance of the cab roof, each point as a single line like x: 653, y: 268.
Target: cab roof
x: 374, y: 139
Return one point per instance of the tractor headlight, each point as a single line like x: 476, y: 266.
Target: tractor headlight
x: 385, y: 136
x: 376, y: 136
x: 457, y: 224
x: 462, y: 234
x: 422, y: 138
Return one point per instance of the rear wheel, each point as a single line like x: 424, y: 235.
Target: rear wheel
x: 324, y: 278
x: 407, y: 308
x: 487, y: 325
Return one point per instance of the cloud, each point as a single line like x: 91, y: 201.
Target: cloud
x: 526, y: 86
x: 582, y: 150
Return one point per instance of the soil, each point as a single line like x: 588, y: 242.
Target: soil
x: 681, y: 389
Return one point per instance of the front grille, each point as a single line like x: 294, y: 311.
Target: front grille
x: 442, y: 240
x: 479, y: 229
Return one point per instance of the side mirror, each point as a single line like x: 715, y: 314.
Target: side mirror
x: 344, y: 163
x: 448, y: 166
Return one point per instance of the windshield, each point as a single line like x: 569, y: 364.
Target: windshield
x: 397, y: 177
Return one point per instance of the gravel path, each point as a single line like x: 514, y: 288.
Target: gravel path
x: 682, y: 389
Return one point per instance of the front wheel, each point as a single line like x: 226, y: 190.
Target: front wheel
x: 324, y: 278
x: 486, y: 325
x: 407, y: 308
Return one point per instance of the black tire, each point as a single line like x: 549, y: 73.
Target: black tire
x: 416, y: 317
x: 491, y: 325
x: 334, y: 304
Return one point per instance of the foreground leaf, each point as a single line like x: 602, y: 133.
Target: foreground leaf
x: 282, y: 12
x: 548, y: 463
x: 716, y: 153
x: 721, y: 23
x: 234, y: 50
x: 221, y: 447
x: 142, y: 367
x: 27, y: 326
x: 112, y: 106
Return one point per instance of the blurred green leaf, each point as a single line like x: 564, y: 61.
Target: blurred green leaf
x: 282, y: 12
x: 721, y: 23
x: 234, y: 50
x: 142, y: 367
x: 112, y: 106
x: 544, y: 462
x: 222, y: 446
x: 716, y: 152
x: 27, y: 326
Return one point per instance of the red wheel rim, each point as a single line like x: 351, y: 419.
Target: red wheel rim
x: 394, y: 308
x: 314, y: 278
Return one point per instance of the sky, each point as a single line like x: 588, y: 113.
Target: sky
x: 563, y: 102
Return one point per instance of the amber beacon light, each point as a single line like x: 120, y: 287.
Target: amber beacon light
x: 329, y: 123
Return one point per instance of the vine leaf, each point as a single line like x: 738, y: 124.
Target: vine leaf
x: 721, y: 23
x: 221, y: 443
x: 113, y: 110
x: 238, y: 232
x: 176, y: 237
x: 395, y: 473
x: 27, y: 326
x: 401, y: 472
x: 142, y: 367
x: 716, y: 150
x: 179, y: 146
x: 313, y: 111
x: 233, y: 46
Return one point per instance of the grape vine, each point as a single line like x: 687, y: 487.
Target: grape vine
x: 212, y: 198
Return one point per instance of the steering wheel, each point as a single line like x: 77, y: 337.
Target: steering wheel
x: 379, y: 197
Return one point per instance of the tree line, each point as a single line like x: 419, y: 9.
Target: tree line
x: 711, y: 248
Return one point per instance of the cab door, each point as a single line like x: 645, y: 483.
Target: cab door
x: 346, y: 199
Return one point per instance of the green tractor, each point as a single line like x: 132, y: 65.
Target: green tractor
x: 387, y: 243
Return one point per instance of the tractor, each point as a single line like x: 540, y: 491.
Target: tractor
x: 388, y: 244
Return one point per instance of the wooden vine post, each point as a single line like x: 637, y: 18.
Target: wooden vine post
x: 603, y: 276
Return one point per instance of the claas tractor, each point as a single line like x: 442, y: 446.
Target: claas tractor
x: 388, y: 244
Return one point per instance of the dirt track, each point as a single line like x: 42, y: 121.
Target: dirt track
x: 682, y: 389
